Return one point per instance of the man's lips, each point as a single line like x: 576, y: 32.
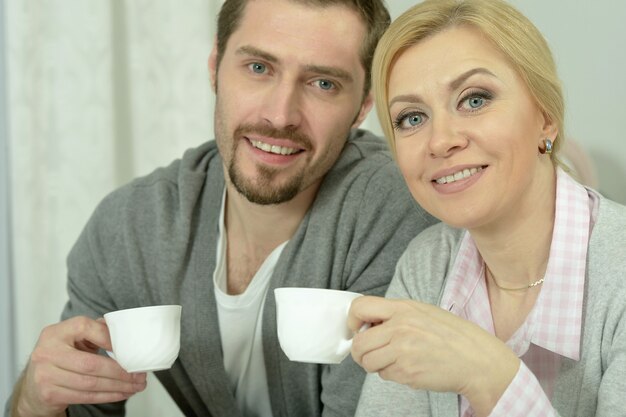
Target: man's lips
x: 273, y: 148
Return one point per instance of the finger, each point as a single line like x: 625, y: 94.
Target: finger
x: 76, y: 332
x: 57, y: 353
x: 92, y: 364
x: 379, y: 359
x: 369, y: 340
x: 84, y: 382
x: 369, y: 309
x: 69, y: 396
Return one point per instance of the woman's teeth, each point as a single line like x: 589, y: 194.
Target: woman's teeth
x: 466, y: 173
x: 278, y: 150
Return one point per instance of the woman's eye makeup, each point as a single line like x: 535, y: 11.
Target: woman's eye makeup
x: 408, y: 120
x: 475, y: 99
x: 472, y: 99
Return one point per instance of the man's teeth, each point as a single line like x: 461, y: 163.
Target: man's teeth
x: 278, y: 150
x: 466, y: 173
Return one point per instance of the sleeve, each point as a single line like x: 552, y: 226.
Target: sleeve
x: 87, y: 287
x: 420, y: 275
x: 386, y: 220
x: 387, y: 398
x: 524, y: 397
x: 613, y: 384
x: 384, y: 398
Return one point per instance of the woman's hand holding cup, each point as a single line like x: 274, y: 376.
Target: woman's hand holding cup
x: 426, y: 347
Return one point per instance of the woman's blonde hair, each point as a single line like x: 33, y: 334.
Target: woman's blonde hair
x: 509, y: 30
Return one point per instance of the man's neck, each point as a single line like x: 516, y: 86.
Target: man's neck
x: 254, y: 231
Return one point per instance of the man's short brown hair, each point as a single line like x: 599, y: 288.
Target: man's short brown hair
x: 373, y: 13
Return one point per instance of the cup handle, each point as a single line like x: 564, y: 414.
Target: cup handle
x: 345, y: 345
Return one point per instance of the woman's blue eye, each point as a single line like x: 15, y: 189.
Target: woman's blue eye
x: 475, y: 102
x: 414, y: 119
x: 408, y: 121
x: 258, y: 68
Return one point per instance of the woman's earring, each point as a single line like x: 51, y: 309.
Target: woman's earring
x: 546, y: 148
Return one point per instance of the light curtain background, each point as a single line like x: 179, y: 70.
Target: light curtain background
x: 99, y: 92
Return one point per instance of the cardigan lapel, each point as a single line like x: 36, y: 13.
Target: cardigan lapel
x: 201, y: 344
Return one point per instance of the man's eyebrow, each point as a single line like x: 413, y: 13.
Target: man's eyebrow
x: 318, y: 69
x: 255, y: 52
x: 331, y: 72
x: 456, y: 83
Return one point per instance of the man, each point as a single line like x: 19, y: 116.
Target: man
x: 281, y: 198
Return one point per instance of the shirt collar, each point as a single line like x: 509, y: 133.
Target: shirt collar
x: 559, y: 308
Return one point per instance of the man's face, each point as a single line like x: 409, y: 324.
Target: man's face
x: 289, y: 88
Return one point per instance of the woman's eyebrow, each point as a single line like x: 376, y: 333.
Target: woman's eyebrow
x: 467, y: 74
x: 454, y: 84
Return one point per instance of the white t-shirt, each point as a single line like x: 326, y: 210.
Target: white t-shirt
x: 240, y: 318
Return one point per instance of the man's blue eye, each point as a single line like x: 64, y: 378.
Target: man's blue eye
x: 258, y: 68
x: 325, y: 84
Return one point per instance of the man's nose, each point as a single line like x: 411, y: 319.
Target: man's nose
x: 282, y: 107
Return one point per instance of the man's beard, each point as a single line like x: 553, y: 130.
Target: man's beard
x: 262, y: 190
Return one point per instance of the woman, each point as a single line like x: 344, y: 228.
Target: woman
x: 516, y: 304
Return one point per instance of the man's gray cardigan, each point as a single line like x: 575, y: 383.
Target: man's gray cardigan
x: 154, y: 242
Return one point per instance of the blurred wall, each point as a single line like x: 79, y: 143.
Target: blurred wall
x: 98, y: 92
x: 8, y: 373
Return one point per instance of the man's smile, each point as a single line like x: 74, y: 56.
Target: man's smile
x: 278, y: 150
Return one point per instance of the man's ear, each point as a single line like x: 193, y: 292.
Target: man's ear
x: 213, y: 66
x: 366, y: 106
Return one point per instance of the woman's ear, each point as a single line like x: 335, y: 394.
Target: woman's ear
x: 550, y: 129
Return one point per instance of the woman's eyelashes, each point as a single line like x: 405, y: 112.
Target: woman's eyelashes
x: 475, y: 99
x: 472, y: 100
x: 407, y: 120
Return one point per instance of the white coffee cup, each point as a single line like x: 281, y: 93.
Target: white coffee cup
x: 312, y: 324
x: 145, y: 338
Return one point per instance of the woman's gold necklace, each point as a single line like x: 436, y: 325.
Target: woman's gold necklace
x: 532, y: 284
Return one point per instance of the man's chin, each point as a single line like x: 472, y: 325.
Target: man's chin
x: 265, y: 188
x: 266, y: 194
x: 268, y: 198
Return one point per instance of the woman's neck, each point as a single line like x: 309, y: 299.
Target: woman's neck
x: 516, y: 247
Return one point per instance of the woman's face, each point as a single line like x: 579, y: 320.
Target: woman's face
x: 467, y: 130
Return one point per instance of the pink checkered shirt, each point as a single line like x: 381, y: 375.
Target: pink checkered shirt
x: 553, y: 327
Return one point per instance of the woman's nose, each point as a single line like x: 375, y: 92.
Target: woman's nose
x: 446, y: 137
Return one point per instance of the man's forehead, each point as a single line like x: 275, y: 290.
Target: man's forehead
x: 332, y: 33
